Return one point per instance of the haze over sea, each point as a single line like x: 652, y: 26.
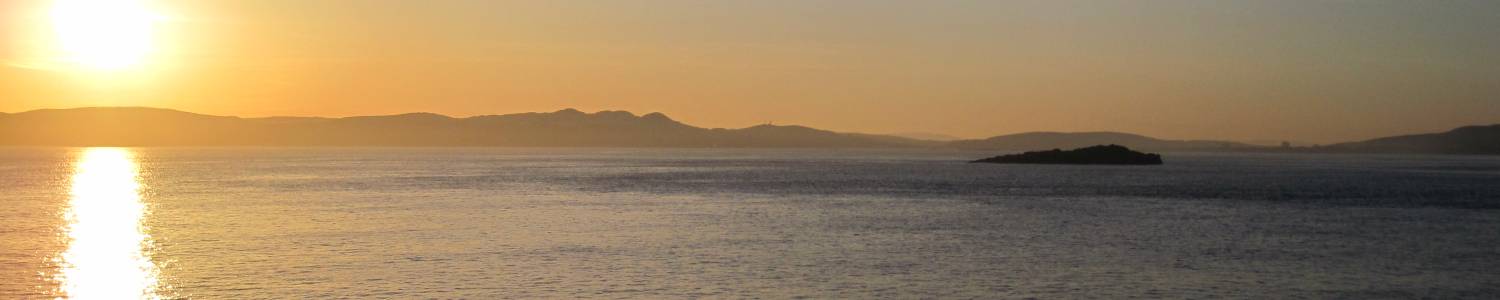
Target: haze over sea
x: 317, y: 223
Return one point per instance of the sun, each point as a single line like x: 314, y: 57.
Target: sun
x: 103, y: 34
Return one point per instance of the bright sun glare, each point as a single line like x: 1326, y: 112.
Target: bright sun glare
x: 107, y: 255
x: 103, y: 34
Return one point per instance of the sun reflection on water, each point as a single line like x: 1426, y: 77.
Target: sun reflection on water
x: 107, y: 254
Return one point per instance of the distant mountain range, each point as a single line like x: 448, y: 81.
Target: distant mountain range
x: 135, y: 126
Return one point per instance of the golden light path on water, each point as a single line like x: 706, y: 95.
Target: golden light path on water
x: 107, y: 254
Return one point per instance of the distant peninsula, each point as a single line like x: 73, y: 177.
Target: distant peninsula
x: 1463, y: 140
x: 1095, y: 155
x: 1070, y: 140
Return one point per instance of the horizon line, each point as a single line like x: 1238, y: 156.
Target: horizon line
x: 634, y: 114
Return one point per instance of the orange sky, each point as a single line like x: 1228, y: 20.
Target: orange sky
x: 1315, y: 71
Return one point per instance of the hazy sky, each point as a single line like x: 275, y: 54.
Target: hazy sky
x: 1314, y: 71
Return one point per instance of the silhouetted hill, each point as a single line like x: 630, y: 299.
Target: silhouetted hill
x: 133, y: 126
x: 1463, y: 140
x: 1061, y: 140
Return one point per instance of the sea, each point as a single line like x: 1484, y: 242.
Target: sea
x: 488, y: 223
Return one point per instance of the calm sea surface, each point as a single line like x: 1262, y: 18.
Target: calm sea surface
x: 315, y: 223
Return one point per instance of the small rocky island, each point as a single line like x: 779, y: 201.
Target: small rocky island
x: 1095, y: 155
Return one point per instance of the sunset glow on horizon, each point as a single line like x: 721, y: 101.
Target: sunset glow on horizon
x: 1307, y: 71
